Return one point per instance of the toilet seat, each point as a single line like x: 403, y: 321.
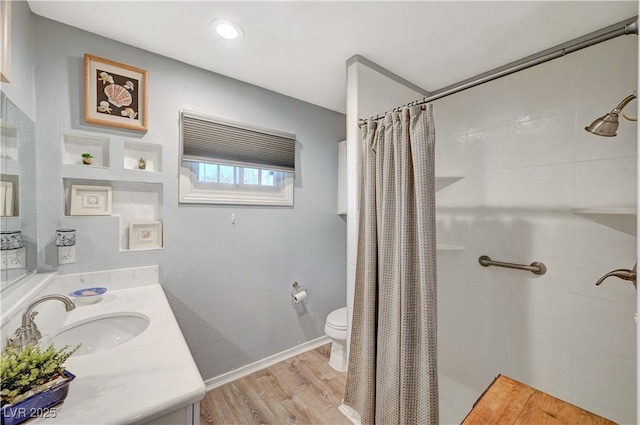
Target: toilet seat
x: 337, y: 319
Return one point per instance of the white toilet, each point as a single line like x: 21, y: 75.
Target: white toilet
x: 336, y: 329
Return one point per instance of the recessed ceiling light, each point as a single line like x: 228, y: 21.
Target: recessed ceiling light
x: 226, y: 29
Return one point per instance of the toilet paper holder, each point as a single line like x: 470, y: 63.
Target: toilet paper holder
x: 298, y: 294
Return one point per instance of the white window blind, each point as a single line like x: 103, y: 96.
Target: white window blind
x: 215, y: 140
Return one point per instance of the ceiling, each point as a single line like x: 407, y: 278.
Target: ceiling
x: 299, y: 48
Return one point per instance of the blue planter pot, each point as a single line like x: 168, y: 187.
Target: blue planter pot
x: 38, y: 405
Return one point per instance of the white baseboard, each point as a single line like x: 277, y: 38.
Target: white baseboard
x: 243, y: 371
x: 351, y: 414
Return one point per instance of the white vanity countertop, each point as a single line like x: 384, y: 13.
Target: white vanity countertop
x: 147, y: 377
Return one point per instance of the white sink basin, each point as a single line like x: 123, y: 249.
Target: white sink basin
x: 102, y: 332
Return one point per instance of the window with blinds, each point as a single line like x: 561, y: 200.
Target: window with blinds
x: 225, y: 162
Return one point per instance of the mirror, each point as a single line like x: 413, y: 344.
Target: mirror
x: 17, y: 192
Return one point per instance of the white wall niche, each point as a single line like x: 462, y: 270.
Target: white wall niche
x: 74, y: 145
x: 136, y: 202
x: 151, y: 152
x: 131, y: 202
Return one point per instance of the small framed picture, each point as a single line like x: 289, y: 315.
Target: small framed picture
x: 6, y: 199
x: 90, y: 200
x: 115, y: 94
x: 145, y: 235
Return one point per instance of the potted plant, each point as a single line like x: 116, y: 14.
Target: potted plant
x: 142, y: 163
x: 87, y: 158
x: 33, y: 381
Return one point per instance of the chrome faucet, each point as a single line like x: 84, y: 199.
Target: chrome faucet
x: 624, y: 274
x: 28, y: 333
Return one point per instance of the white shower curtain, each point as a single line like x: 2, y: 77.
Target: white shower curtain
x: 393, y: 372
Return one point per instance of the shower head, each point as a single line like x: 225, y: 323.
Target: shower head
x: 607, y: 125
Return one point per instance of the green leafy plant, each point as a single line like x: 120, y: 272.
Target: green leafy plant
x: 30, y: 370
x: 142, y: 161
x: 87, y: 155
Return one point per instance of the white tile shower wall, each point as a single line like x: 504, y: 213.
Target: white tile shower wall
x: 521, y: 143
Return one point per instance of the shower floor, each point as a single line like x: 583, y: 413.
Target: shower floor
x: 306, y: 390
x: 456, y: 400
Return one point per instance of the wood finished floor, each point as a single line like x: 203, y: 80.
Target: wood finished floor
x: 303, y: 390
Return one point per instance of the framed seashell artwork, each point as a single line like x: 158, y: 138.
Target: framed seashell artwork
x: 115, y: 94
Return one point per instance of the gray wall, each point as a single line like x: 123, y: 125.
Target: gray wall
x: 229, y: 285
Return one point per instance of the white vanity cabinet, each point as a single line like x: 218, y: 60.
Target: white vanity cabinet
x: 148, y: 379
x: 189, y: 415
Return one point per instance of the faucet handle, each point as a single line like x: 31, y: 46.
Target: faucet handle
x: 624, y: 274
x: 20, y: 339
x: 32, y: 334
x: 35, y: 333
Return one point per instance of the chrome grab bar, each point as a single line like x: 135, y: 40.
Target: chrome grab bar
x: 536, y: 267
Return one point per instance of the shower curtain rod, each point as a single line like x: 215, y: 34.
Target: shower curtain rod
x: 628, y: 26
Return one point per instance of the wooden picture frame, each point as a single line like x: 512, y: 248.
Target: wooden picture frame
x: 115, y: 94
x: 145, y: 235
x: 5, y: 41
x: 90, y: 200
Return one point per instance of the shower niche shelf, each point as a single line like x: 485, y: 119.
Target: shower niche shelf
x: 446, y: 180
x: 622, y: 219
x: 444, y: 247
